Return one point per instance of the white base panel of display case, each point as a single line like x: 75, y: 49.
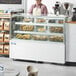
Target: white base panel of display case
x: 37, y: 50
x: 71, y: 42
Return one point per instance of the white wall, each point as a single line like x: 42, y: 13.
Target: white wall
x: 14, y: 6
x: 49, y: 3
x: 26, y: 4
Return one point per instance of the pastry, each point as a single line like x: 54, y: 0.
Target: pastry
x: 26, y: 36
x: 27, y: 20
x: 27, y: 28
x: 39, y: 37
x: 19, y: 36
x: 43, y: 38
x: 41, y: 29
x: 61, y: 39
x: 52, y: 29
x: 40, y: 20
x: 36, y: 37
x: 56, y: 29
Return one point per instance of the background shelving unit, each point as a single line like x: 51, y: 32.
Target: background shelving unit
x: 4, y: 33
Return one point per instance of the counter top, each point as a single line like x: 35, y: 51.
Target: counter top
x: 73, y: 22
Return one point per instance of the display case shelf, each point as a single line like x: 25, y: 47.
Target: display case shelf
x: 39, y: 33
x: 50, y: 16
x: 39, y: 24
x: 36, y: 41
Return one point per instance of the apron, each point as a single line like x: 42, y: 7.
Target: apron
x: 37, y: 11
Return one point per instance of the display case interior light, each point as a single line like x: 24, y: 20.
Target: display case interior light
x: 10, y: 1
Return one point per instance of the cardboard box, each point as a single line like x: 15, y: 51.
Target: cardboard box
x: 1, y: 37
x: 1, y: 25
x: 6, y: 37
x: 6, y: 25
x: 6, y: 49
x: 1, y: 48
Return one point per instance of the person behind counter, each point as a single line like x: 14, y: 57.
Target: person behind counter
x: 38, y: 8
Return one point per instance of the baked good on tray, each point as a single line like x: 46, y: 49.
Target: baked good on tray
x: 39, y: 37
x: 40, y: 20
x: 26, y: 27
x: 27, y: 20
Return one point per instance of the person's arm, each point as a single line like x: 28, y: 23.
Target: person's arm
x: 45, y: 11
x: 31, y: 9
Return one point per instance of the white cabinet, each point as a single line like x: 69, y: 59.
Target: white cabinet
x: 39, y: 38
x: 71, y: 42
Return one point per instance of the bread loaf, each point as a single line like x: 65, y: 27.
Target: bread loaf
x: 27, y: 28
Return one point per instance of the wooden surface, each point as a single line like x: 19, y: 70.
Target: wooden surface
x: 73, y: 22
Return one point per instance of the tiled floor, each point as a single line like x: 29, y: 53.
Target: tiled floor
x: 44, y: 69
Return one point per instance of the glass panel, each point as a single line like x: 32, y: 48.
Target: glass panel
x: 18, y: 18
x: 38, y: 28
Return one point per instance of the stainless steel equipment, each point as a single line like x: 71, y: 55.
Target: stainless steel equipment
x: 66, y: 9
x: 74, y: 14
x: 57, y: 8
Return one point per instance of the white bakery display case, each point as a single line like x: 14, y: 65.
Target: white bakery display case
x: 38, y: 38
